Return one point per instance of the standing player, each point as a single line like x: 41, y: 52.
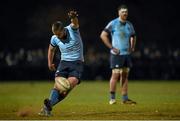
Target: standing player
x: 70, y: 68
x: 123, y: 43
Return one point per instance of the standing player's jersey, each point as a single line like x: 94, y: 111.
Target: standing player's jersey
x: 121, y: 33
x: 72, y: 47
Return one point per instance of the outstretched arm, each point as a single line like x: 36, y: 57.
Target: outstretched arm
x: 73, y: 15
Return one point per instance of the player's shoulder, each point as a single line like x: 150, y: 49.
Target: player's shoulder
x: 128, y: 22
x: 114, y: 21
x: 54, y: 38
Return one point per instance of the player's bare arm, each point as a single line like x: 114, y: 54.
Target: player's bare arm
x: 73, y: 15
x: 106, y: 41
x: 51, y: 52
x: 132, y: 43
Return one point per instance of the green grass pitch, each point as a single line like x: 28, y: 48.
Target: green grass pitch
x: 156, y: 100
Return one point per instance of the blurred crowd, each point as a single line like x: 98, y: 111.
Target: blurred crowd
x: 148, y: 63
x: 23, y: 52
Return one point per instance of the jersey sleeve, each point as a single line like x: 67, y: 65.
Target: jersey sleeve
x: 108, y: 28
x: 71, y: 28
x: 53, y: 41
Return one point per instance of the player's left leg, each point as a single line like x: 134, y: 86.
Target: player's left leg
x: 124, y: 86
x: 124, y: 83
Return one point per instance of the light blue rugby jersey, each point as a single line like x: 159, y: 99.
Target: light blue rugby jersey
x: 71, y: 48
x: 121, y: 33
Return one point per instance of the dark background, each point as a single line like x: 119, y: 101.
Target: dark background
x: 25, y: 32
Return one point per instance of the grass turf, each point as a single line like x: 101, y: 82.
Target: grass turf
x: 89, y: 101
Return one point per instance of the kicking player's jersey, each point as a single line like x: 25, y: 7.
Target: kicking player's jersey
x: 121, y: 33
x: 72, y: 47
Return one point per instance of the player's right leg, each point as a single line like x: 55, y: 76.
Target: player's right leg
x: 46, y: 109
x: 63, y: 85
x: 58, y: 93
x: 114, y: 78
x: 114, y: 64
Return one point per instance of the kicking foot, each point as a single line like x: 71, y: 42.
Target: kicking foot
x: 46, y: 110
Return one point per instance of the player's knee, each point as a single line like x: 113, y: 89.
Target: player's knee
x: 73, y: 81
x: 62, y: 84
x: 125, y: 73
x: 114, y: 77
x: 126, y: 70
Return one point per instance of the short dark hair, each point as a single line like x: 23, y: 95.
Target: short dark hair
x: 122, y: 6
x: 58, y: 25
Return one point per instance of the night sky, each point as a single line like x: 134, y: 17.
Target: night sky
x: 27, y: 24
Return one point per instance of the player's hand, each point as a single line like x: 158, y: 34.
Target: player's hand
x: 52, y: 67
x: 115, y: 51
x: 72, y: 14
x: 131, y: 50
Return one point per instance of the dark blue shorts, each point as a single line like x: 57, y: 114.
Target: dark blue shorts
x: 70, y: 69
x: 120, y: 61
